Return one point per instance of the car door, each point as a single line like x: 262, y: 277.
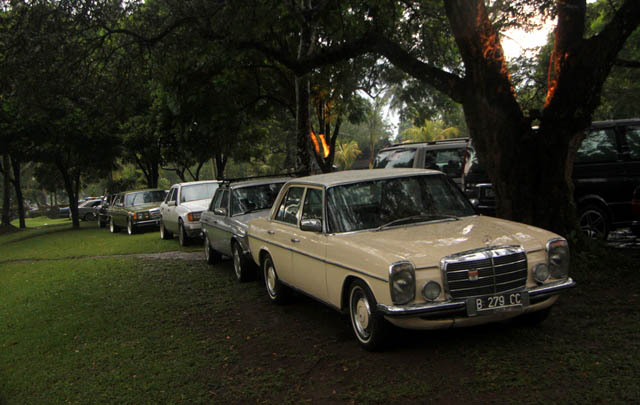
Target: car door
x: 168, y: 210
x: 219, y: 230
x: 631, y: 150
x: 118, y: 213
x: 309, y: 248
x: 282, y: 234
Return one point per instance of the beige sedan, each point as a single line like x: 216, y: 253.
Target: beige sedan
x: 404, y: 246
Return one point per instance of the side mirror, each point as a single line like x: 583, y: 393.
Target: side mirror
x: 311, y: 225
x: 220, y: 211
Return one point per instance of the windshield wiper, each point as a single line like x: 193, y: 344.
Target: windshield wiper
x: 416, y: 218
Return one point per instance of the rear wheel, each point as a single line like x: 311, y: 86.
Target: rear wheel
x: 113, y: 228
x: 369, y: 326
x: 278, y: 292
x: 102, y: 223
x: 594, y: 222
x: 210, y: 254
x: 164, y: 234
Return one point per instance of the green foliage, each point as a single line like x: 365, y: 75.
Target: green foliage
x: 347, y: 154
x: 429, y: 131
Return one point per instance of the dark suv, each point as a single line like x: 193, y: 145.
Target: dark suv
x: 606, y: 173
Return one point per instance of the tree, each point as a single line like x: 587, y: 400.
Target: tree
x: 347, y: 153
x: 430, y: 131
x: 507, y: 145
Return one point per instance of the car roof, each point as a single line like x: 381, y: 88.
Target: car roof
x: 188, y: 183
x: 256, y: 182
x: 146, y: 189
x: 613, y: 123
x: 354, y: 176
x: 431, y: 144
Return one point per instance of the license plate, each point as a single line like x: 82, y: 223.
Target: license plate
x: 498, y: 302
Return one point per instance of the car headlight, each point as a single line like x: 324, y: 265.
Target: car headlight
x: 194, y: 216
x: 541, y: 272
x: 402, y: 282
x: 558, y: 258
x: 431, y: 290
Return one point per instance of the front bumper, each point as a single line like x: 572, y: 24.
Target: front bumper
x: 439, y: 310
x: 147, y: 223
x: 193, y: 229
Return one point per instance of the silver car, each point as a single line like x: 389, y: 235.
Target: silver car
x: 182, y: 207
x: 224, y: 223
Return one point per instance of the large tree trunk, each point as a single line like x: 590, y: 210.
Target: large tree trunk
x: 15, y: 164
x: 6, y: 201
x: 71, y: 186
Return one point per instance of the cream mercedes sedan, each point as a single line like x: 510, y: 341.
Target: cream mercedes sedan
x: 404, y: 246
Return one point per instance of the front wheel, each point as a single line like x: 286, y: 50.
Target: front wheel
x: 182, y: 235
x: 369, y: 326
x: 278, y: 292
x: 241, y: 266
x: 131, y: 228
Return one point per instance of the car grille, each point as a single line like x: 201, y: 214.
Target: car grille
x: 485, y: 271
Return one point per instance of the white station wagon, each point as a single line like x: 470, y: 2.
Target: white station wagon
x: 405, y: 246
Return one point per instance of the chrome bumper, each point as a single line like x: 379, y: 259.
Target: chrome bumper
x: 439, y: 309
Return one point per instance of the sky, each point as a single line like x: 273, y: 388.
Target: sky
x: 517, y: 42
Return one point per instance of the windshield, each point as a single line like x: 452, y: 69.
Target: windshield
x: 387, y: 159
x: 378, y: 203
x: 203, y: 191
x: 254, y: 198
x: 144, y: 197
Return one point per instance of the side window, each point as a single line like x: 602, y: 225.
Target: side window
x: 598, y: 146
x: 224, y: 200
x: 173, y: 195
x: 169, y: 195
x: 215, y: 200
x: 312, y: 207
x: 633, y: 141
x: 288, y: 209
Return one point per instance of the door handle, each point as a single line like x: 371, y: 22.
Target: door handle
x: 294, y: 240
x: 270, y: 232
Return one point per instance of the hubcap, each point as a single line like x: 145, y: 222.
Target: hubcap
x: 207, y: 253
x: 161, y: 231
x: 236, y: 262
x: 593, y: 224
x: 181, y: 235
x: 271, y: 281
x: 360, y: 312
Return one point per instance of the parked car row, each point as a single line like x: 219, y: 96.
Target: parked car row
x: 401, y: 247
x: 606, y: 173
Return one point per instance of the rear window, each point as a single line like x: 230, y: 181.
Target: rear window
x: 633, y: 141
x: 392, y: 158
x: 448, y: 161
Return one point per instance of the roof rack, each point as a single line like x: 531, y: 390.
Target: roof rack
x: 451, y: 140
x: 266, y: 176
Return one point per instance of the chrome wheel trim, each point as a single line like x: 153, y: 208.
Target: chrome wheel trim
x: 237, y: 267
x: 271, y: 281
x: 593, y: 224
x: 207, y: 252
x: 181, y: 234
x: 360, y: 312
x: 129, y: 227
x: 161, y: 230
x: 111, y: 229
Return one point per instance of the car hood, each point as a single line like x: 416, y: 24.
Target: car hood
x: 196, y: 205
x: 426, y: 244
x: 144, y: 207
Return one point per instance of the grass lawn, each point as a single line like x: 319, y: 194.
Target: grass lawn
x: 119, y: 329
